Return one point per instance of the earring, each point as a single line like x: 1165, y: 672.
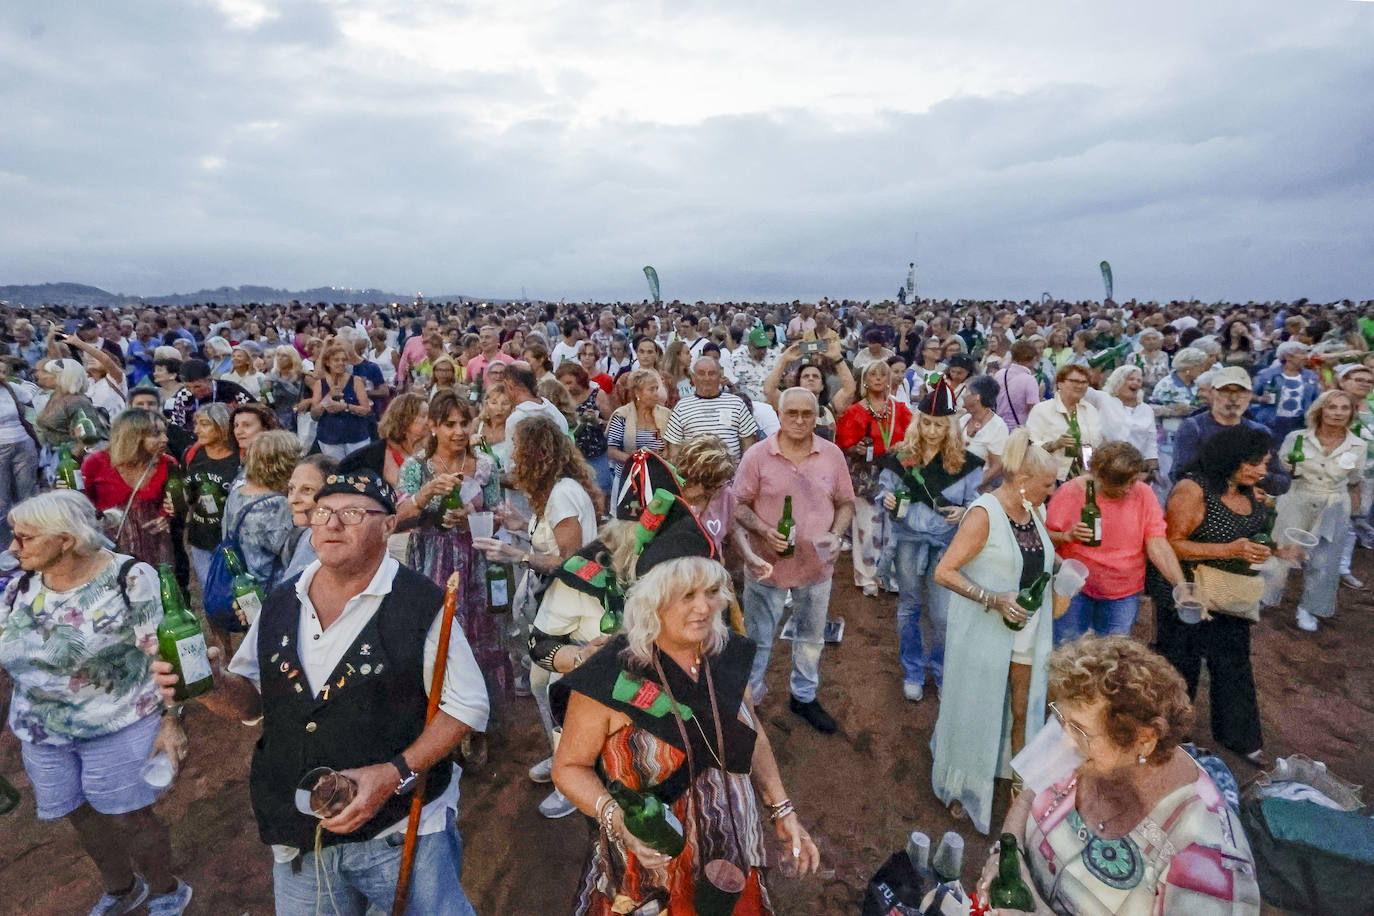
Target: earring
x: 1023, y: 492
x: 1140, y: 760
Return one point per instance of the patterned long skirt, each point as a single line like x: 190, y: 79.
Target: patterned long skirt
x: 438, y: 554
x: 868, y: 536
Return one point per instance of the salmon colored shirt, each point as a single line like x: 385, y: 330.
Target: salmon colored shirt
x: 816, y: 485
x: 1116, y: 569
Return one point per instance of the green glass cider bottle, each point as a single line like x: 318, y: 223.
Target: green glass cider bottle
x: 787, y: 528
x: 180, y: 640
x: 1008, y: 891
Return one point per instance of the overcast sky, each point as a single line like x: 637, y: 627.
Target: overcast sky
x: 745, y: 149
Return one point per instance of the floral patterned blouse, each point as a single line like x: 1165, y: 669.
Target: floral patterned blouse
x: 418, y: 470
x: 81, y: 658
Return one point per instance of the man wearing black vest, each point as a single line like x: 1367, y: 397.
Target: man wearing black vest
x: 338, y: 666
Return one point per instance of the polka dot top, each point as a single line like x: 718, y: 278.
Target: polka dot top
x: 1221, y: 525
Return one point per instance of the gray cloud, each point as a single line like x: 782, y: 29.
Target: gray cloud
x: 159, y: 147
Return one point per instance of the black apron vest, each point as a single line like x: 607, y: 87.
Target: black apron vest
x: 371, y: 709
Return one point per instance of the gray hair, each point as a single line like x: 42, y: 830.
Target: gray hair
x: 218, y: 345
x: 219, y: 415
x: 1189, y: 358
x: 810, y: 395
x: 1150, y: 333
x: 1289, y: 347
x: 69, y: 376
x: 61, y: 512
x: 1209, y: 345
x: 667, y: 582
x: 1118, y: 378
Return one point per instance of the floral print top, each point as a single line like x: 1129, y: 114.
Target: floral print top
x: 81, y: 659
x: 418, y: 470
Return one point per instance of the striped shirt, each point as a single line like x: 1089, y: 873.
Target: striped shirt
x: 723, y: 415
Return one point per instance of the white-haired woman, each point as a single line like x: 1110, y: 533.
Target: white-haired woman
x: 1327, y: 462
x: 1286, y: 389
x: 996, y: 651
x: 58, y: 420
x: 78, y: 630
x: 1151, y: 359
x: 626, y: 724
x: 219, y: 354
x: 1173, y: 398
x: 243, y: 373
x: 1126, y: 415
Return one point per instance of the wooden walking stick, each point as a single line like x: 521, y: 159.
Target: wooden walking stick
x: 436, y: 684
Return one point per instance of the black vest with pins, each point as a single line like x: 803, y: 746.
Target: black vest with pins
x: 371, y: 709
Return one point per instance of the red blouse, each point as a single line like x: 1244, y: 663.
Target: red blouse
x: 858, y: 421
x: 107, y: 489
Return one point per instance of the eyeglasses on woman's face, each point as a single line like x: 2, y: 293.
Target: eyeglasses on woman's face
x: 349, y: 515
x: 1079, y: 736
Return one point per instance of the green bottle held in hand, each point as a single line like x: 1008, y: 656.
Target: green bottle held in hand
x: 787, y: 528
x: 651, y: 821
x: 1296, y: 457
x: 247, y: 593
x: 69, y: 471
x: 1091, y: 515
x: 1029, y: 598
x: 175, y: 489
x: 1008, y: 891
x: 180, y: 640
x: 498, y: 578
x: 453, y: 499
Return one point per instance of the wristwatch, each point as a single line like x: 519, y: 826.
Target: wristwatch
x: 408, y: 776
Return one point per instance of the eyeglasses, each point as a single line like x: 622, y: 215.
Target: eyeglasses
x: 22, y: 539
x: 1079, y: 736
x: 351, y: 515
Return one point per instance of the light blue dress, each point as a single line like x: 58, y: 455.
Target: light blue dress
x: 972, y: 740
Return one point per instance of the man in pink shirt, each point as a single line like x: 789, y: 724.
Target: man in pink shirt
x: 1133, y: 530
x: 489, y: 340
x: 799, y: 464
x: 1020, y: 391
x: 413, y: 352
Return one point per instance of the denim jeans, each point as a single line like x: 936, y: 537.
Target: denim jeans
x: 914, y: 569
x: 763, y: 610
x: 18, y: 481
x: 365, y: 873
x: 1104, y: 616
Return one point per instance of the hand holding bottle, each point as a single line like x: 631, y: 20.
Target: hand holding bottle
x: 1247, y: 550
x: 1005, y: 604
x: 647, y: 855
x: 1081, y: 533
x: 890, y: 502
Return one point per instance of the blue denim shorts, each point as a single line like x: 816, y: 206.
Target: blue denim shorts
x: 107, y: 772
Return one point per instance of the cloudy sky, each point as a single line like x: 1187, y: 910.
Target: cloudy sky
x: 746, y: 149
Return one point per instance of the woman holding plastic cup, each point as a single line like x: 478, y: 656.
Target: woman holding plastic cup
x: 1327, y: 462
x: 1129, y: 528
x: 1212, y: 518
x: 440, y: 542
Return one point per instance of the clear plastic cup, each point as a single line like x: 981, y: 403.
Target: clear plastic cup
x: 1295, y: 543
x: 158, y: 771
x: 1188, y: 602
x: 1048, y: 758
x: 482, y: 524
x: 1071, y: 577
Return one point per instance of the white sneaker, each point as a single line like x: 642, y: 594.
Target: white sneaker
x: 110, y: 905
x: 1349, y: 581
x: 870, y: 591
x: 913, y: 691
x: 542, y: 771
x: 1306, y: 621
x: 556, y: 806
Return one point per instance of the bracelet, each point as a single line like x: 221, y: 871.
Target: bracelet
x: 784, y: 808
x: 607, y: 818
x: 782, y: 804
x: 602, y: 802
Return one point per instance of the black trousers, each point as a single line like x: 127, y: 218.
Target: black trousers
x: 1224, y: 643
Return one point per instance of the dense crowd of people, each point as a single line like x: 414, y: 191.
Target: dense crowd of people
x: 624, y: 504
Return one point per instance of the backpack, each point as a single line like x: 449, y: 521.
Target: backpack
x: 218, y: 595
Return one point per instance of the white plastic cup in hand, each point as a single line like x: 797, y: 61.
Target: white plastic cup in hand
x: 482, y: 524
x: 1301, y: 539
x: 827, y: 548
x: 1071, y: 577
x: 158, y: 771
x: 1048, y: 758
x: 1188, y: 602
